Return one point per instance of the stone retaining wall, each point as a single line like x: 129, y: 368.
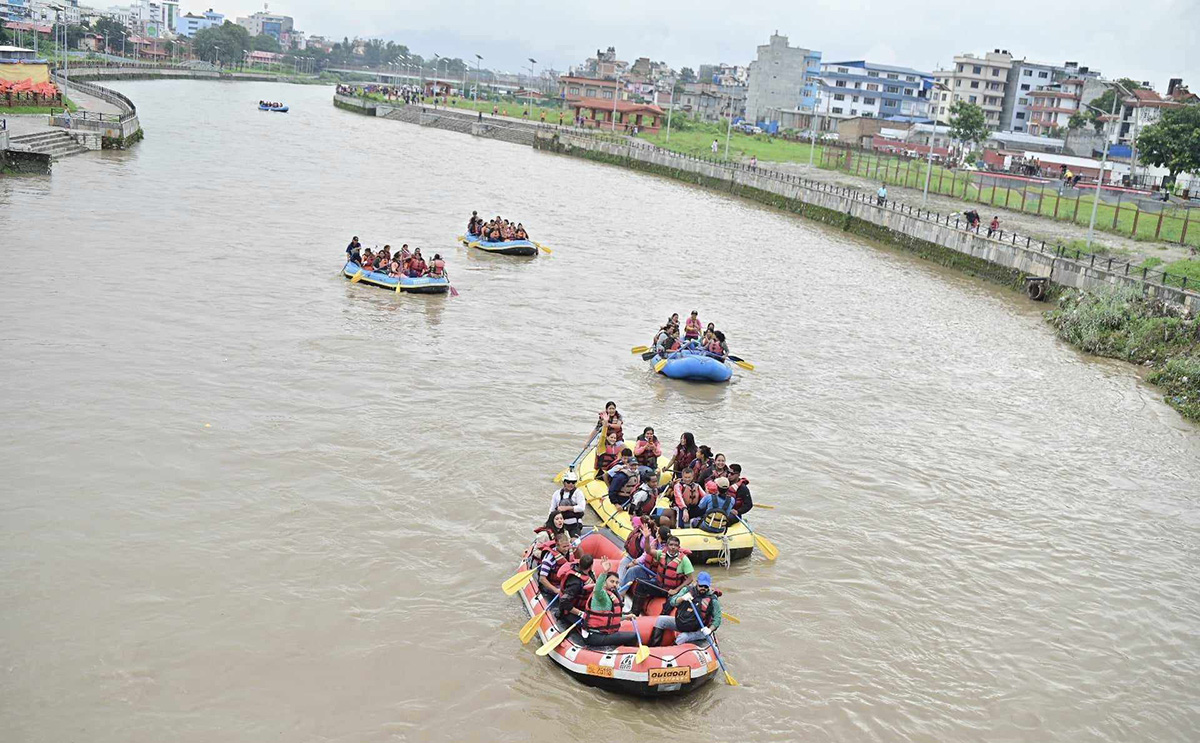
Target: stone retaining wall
x: 25, y: 163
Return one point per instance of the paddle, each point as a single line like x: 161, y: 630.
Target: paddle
x: 357, y: 277
x: 649, y: 355
x: 531, y: 627
x: 639, y: 349
x: 588, y: 445
x: 555, y: 641
x: 713, y: 641
x: 740, y: 362
x: 453, y: 292
x: 543, y: 247
x: 659, y: 366
x: 517, y: 582
x: 643, y: 651
x: 763, y: 543
x: 731, y: 618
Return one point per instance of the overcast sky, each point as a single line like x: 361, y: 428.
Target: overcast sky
x: 1144, y: 41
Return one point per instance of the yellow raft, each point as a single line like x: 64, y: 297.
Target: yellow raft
x: 737, y: 543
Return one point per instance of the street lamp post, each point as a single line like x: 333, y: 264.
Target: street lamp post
x: 670, y: 110
x: 616, y: 95
x: 729, y: 126
x: 532, y: 65
x: 475, y: 93
x: 929, y: 164
x: 1103, y: 161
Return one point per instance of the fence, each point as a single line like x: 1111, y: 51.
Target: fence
x: 1111, y: 266
x: 1131, y: 215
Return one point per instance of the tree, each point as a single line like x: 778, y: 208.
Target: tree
x: 967, y: 123
x: 3, y: 35
x: 687, y: 75
x: 227, y: 43
x: 266, y: 43
x: 113, y: 32
x: 1173, y: 142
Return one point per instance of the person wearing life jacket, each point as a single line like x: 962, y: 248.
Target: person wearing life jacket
x: 685, y: 453
x: 384, y: 257
x: 645, y: 496
x: 416, y: 264
x: 607, y: 455
x: 702, y: 461
x: 691, y: 328
x: 568, y: 500
x: 647, y: 449
x: 684, y: 622
x: 716, y: 469
x: 612, y: 419
x: 619, y: 476
x: 552, y: 560
x: 437, y: 267
x: 353, y: 250
x: 687, y: 496
x: 602, y: 618
x: 668, y: 569
x: 635, y: 545
x: 575, y: 584
x: 714, y: 347
x: 739, y: 486
x: 473, y: 224
x: 717, y: 508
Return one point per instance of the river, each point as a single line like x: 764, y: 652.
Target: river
x: 244, y: 500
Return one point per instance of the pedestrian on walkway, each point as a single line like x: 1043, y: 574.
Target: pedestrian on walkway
x: 994, y: 226
x: 881, y: 194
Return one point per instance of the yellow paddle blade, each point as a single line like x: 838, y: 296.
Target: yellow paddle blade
x: 560, y: 476
x: 745, y: 365
x: 543, y: 247
x: 639, y: 349
x: 767, y: 548
x: 531, y: 627
x: 555, y: 641
x: 763, y: 505
x: 515, y: 583
x: 357, y: 277
x: 462, y: 238
x: 731, y: 618
x: 659, y: 366
x: 729, y: 679
x: 642, y: 654
x: 397, y: 286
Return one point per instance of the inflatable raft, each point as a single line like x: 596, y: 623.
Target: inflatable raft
x: 419, y: 285
x: 508, y: 247
x: 694, y: 365
x: 737, y: 543
x: 276, y: 109
x: 669, y: 669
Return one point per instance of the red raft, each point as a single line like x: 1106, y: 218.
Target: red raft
x: 669, y: 670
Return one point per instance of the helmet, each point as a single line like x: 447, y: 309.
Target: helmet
x: 710, y: 486
x: 722, y: 483
x: 571, y: 476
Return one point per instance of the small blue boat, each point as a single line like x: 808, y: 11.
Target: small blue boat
x: 507, y: 247
x: 694, y: 365
x: 418, y: 285
x: 276, y: 109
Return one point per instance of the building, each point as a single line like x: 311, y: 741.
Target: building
x: 1136, y: 112
x: 267, y: 23
x: 723, y: 74
x: 710, y: 102
x: 860, y: 131
x: 782, y: 78
x: 187, y: 25
x: 599, y: 113
x: 575, y: 87
x: 604, y: 65
x: 1051, y: 107
x: 861, y: 88
x: 1026, y: 77
x: 979, y: 80
x: 17, y: 54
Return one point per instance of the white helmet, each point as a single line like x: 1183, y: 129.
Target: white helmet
x: 570, y: 476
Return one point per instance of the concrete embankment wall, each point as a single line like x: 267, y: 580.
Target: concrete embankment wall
x: 115, y: 131
x: 936, y: 237
x: 517, y: 132
x: 160, y: 73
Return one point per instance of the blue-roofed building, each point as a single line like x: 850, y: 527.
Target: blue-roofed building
x: 861, y: 88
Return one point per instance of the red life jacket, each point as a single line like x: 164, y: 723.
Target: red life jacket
x: 714, y: 346
x: 668, y: 571
x: 734, y: 487
x: 633, y: 545
x: 566, y: 571
x: 606, y: 458
x: 604, y: 622
x: 688, y: 495
x: 683, y: 459
x: 559, y: 561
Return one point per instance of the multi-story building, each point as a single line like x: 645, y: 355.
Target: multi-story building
x: 711, y: 102
x: 979, y: 80
x: 267, y: 23
x: 189, y: 23
x: 1138, y: 111
x: 576, y: 87
x: 1026, y: 77
x: 782, y: 79
x: 1051, y: 107
x: 861, y: 88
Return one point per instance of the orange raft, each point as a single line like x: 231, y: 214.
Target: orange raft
x: 669, y: 670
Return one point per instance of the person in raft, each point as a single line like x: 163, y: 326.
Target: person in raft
x: 667, y: 569
x: 568, y: 501
x: 622, y: 478
x: 647, y: 449
x: 697, y: 615
x: 552, y: 561
x: 691, y: 328
x: 601, y: 621
x: 687, y: 497
x: 354, y: 250
x: 717, y: 507
x: 577, y: 582
x: 612, y: 419
x: 474, y: 224
x: 635, y: 545
x: 437, y: 267
x: 416, y: 265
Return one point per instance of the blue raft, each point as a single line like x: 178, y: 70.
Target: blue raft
x: 507, y: 247
x: 694, y: 365
x: 419, y: 285
x: 276, y: 109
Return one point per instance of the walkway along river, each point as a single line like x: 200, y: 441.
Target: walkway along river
x: 247, y: 500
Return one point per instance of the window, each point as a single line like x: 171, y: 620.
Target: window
x: 868, y: 101
x: 872, y: 86
x: 1023, y: 101
x: 973, y: 99
x: 839, y: 83
x: 842, y: 69
x: 944, y: 96
x: 976, y: 69
x: 867, y: 114
x: 941, y: 109
x: 960, y: 68
x: 892, y: 89
x: 854, y: 112
x: 958, y: 83
x: 608, y: 94
x: 839, y: 97
x: 995, y: 72
x: 1028, y: 73
x: 892, y: 76
x: 910, y: 78
x: 1043, y: 74
x: 854, y: 99
x: 888, y: 103
x: 574, y: 91
x: 858, y: 86
x: 1024, y: 86
x: 837, y: 110
x: 974, y: 83
x: 1020, y: 114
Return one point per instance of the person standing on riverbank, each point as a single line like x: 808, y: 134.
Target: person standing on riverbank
x: 715, y: 147
x: 881, y: 194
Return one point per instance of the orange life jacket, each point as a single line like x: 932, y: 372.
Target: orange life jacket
x: 604, y: 622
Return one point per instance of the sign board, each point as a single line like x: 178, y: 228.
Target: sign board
x: 676, y: 675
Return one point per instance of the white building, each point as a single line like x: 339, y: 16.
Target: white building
x: 269, y: 24
x: 860, y: 88
x: 188, y: 24
x: 979, y: 80
x: 1052, y: 106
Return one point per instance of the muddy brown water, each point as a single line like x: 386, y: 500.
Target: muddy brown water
x: 244, y: 500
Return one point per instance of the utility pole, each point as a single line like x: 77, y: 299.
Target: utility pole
x: 532, y: 66
x: 475, y: 95
x: 670, y: 110
x: 729, y: 127
x: 1103, y: 161
x: 616, y: 96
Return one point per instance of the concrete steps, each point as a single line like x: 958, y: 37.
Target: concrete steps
x: 53, y: 142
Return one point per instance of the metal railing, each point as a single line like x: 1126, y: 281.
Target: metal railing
x: 128, y: 109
